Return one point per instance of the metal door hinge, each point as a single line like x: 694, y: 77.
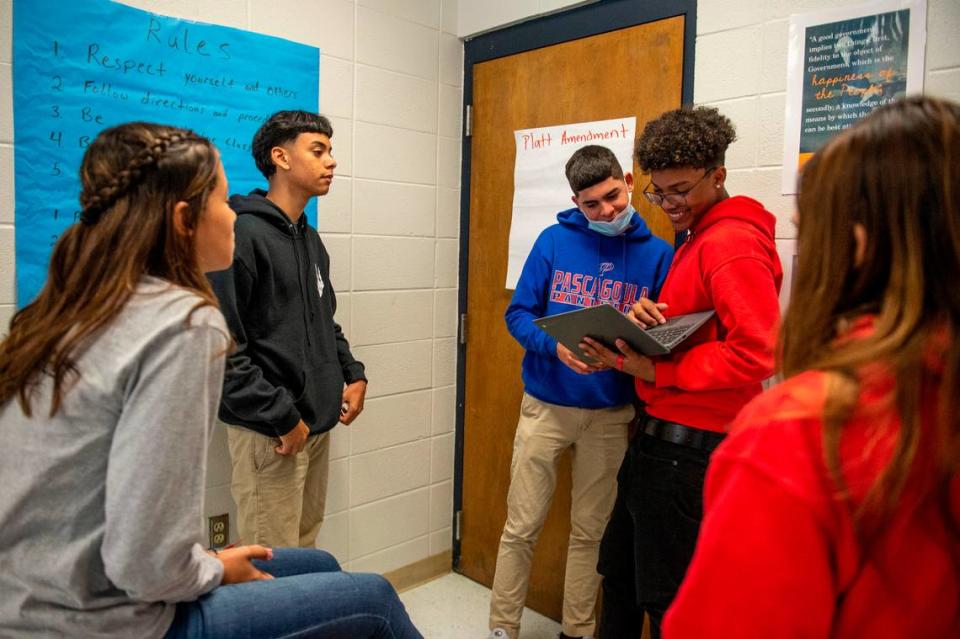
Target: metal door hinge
x: 456, y: 524
x: 463, y: 328
x: 468, y: 121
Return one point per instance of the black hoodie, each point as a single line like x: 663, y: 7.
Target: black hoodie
x: 292, y: 359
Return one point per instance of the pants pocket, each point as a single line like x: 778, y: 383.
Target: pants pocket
x: 264, y: 451
x: 529, y: 407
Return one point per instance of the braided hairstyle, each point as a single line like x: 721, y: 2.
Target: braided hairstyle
x: 132, y: 176
x: 97, y: 198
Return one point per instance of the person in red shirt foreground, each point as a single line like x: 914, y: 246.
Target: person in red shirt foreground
x: 728, y: 263
x: 833, y: 509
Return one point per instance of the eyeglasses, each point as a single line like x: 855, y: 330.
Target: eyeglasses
x: 677, y: 198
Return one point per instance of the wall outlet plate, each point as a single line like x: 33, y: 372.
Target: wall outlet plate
x: 219, y: 526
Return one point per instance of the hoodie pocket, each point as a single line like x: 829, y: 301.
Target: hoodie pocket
x: 319, y: 402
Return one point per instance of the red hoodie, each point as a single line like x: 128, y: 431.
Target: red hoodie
x: 778, y: 554
x: 730, y: 264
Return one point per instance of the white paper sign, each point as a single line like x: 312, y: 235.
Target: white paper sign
x: 540, y: 188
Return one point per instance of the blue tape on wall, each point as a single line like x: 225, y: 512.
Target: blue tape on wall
x: 79, y: 67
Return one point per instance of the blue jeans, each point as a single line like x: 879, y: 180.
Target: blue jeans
x: 309, y: 597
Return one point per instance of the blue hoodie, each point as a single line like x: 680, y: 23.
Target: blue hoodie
x: 569, y: 267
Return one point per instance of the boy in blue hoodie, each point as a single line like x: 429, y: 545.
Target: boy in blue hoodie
x: 600, y: 252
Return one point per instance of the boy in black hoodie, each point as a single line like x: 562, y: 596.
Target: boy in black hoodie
x: 292, y: 377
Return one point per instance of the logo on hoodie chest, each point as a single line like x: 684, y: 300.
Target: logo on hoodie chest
x: 319, y: 281
x: 580, y: 289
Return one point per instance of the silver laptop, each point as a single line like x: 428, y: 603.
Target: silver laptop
x: 605, y: 324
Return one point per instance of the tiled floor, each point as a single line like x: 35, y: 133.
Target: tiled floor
x: 454, y: 607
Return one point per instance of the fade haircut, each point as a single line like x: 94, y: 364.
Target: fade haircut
x: 282, y: 127
x: 592, y: 165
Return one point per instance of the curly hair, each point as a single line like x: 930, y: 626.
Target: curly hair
x: 687, y: 137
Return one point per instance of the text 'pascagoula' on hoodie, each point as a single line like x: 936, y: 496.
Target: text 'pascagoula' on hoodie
x: 292, y: 359
x: 570, y: 267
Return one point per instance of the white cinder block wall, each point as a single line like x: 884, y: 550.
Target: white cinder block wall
x: 477, y: 17
x: 741, y: 68
x: 390, y: 80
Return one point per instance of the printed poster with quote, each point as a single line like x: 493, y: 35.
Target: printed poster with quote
x: 540, y: 187
x: 80, y: 67
x: 843, y: 64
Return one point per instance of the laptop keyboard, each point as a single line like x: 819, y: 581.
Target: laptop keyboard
x: 667, y: 336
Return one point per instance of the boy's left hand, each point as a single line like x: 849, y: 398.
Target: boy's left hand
x: 353, y: 396
x: 630, y: 361
x: 566, y: 356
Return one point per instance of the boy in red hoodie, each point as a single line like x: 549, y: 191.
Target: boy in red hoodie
x: 727, y: 263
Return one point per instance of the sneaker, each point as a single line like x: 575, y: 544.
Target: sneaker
x: 498, y: 633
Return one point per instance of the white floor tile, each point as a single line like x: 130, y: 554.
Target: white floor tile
x: 454, y: 607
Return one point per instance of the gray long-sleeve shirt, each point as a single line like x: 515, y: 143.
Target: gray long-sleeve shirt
x: 101, y: 506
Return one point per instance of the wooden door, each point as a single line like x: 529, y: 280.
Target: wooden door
x: 635, y: 70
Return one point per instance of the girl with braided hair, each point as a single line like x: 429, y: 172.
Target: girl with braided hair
x: 109, y: 385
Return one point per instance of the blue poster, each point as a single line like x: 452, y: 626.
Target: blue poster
x: 81, y: 67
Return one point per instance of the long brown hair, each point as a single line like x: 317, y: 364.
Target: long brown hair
x: 132, y: 176
x: 896, y: 173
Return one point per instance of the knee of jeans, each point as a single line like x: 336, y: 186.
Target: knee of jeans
x: 327, y: 562
x: 378, y: 589
x: 306, y: 559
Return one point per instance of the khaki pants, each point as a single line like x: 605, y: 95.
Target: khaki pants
x: 280, y: 499
x: 598, y: 440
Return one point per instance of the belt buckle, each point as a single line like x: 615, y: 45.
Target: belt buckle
x: 653, y: 427
x: 674, y: 433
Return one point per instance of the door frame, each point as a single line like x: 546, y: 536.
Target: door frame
x: 589, y: 20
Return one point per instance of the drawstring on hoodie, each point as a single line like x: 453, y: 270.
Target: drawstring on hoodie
x: 295, y: 233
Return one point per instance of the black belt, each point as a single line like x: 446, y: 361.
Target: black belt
x: 705, y: 440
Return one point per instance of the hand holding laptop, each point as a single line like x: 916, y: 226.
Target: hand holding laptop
x: 627, y: 360
x: 605, y: 324
x: 646, y: 313
x: 577, y: 365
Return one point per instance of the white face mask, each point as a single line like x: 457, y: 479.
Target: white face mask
x: 617, y: 226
